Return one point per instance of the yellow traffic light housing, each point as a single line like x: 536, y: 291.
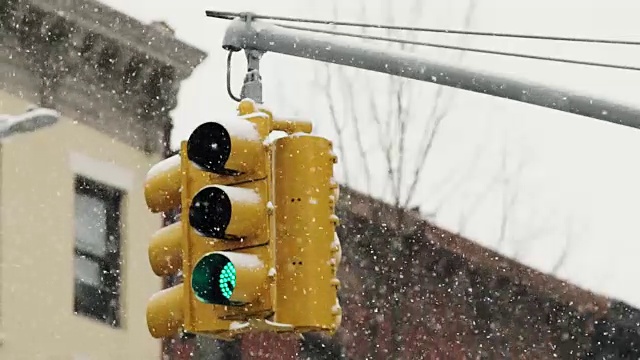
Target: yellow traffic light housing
x: 162, y: 186
x: 308, y: 249
x: 224, y: 244
x: 234, y: 191
x: 229, y: 229
x: 165, y: 310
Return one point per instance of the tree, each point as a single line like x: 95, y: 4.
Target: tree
x: 387, y: 126
x: 516, y: 229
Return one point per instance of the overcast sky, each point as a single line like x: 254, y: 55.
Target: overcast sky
x: 579, y: 185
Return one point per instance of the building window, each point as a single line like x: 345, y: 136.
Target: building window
x: 97, y: 251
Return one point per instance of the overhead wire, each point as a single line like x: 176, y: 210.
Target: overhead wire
x: 463, y: 48
x: 231, y: 15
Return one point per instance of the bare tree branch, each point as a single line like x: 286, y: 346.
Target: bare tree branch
x: 466, y: 23
x: 427, y: 140
x: 383, y: 134
x: 390, y: 113
x: 337, y: 125
x: 561, y: 260
x: 477, y: 201
x: 402, y: 125
x: 507, y: 199
x: 510, y: 192
x: 570, y: 238
x: 452, y: 182
x: 351, y: 106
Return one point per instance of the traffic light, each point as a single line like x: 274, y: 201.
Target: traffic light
x: 308, y: 250
x: 224, y: 244
x: 230, y: 247
x: 166, y: 310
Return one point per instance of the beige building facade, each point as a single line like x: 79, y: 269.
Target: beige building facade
x: 74, y: 227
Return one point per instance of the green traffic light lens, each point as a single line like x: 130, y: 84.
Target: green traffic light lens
x: 227, y: 280
x: 213, y: 279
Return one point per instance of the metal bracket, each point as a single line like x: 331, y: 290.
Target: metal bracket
x: 251, y: 325
x: 264, y: 36
x: 252, y: 87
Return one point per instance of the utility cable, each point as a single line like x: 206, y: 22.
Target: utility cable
x: 453, y: 47
x: 231, y: 15
x: 229, y: 91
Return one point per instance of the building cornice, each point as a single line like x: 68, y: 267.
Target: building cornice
x: 94, y: 17
x: 87, y: 59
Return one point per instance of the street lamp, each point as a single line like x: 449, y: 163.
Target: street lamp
x: 34, y: 119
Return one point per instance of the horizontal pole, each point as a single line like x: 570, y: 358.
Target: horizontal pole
x: 266, y: 37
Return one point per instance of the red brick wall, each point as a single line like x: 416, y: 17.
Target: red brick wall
x: 449, y: 306
x: 270, y: 346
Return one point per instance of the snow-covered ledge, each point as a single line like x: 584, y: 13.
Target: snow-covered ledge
x: 105, y: 172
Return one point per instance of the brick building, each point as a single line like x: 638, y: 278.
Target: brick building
x: 441, y: 296
x: 454, y: 299
x: 431, y: 294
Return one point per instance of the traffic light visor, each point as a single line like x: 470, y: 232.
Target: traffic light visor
x: 227, y: 212
x: 213, y: 279
x: 227, y: 147
x: 209, y: 147
x: 210, y: 212
x: 229, y: 278
x: 162, y: 188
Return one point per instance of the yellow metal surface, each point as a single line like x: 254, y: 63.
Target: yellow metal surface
x: 336, y: 192
x: 162, y: 186
x: 165, y: 250
x: 306, y: 257
x: 198, y: 317
x: 249, y: 211
x: 247, y: 154
x: 262, y: 118
x: 254, y: 285
x: 165, y: 312
x: 176, y: 181
x: 164, y: 180
x: 292, y: 126
x: 251, y: 275
x: 251, y: 221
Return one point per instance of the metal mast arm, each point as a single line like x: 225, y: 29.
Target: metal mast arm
x: 249, y: 34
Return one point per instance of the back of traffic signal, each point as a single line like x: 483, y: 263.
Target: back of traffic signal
x: 256, y: 242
